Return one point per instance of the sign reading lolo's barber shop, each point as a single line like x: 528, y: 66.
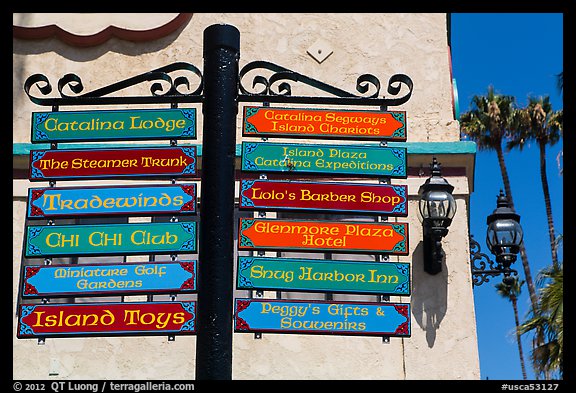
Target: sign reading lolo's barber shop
x: 114, y: 125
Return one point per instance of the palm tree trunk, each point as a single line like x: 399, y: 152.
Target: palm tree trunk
x: 526, y: 266
x: 520, y: 352
x: 547, y: 202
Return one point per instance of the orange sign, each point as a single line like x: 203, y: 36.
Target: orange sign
x: 342, y: 236
x: 324, y: 123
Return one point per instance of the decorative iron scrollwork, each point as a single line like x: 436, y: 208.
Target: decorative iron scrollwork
x: 486, y: 268
x: 164, y: 89
x: 277, y: 87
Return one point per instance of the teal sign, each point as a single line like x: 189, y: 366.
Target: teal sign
x: 110, y: 239
x: 111, y: 200
x: 114, y: 125
x: 109, y: 279
x: 323, y: 275
x: 377, y: 161
x: 315, y: 317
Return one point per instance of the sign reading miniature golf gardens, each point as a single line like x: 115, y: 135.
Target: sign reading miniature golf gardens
x: 376, y: 161
x: 107, y: 319
x: 323, y: 123
x: 114, y: 125
x: 288, y: 274
x: 111, y: 200
x: 315, y: 317
x: 320, y: 236
x: 112, y: 163
x: 339, y: 197
x: 110, y: 239
x: 109, y: 279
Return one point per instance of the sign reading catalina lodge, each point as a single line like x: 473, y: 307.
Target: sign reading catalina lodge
x: 324, y: 123
x: 114, y: 125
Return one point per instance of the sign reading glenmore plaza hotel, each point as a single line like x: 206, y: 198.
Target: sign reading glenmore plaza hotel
x: 188, y: 208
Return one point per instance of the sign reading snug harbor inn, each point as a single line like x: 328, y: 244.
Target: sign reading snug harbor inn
x: 114, y: 125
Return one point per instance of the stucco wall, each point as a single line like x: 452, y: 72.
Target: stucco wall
x: 443, y: 343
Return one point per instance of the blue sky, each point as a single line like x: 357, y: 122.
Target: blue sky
x: 520, y: 54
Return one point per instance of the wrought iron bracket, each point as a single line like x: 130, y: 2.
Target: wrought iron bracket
x: 483, y: 268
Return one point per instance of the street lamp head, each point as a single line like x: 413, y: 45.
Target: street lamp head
x: 504, y: 234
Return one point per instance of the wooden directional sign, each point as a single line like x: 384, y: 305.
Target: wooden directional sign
x: 110, y: 239
x: 100, y: 279
x: 314, y: 317
x: 114, y: 125
x: 321, y: 236
x: 288, y: 274
x: 106, y: 319
x: 376, y: 161
x: 324, y: 123
x: 111, y: 200
x: 112, y: 163
x: 383, y: 199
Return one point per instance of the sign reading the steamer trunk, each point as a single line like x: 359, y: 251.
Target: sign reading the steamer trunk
x: 111, y: 200
x: 110, y: 239
x: 377, y: 161
x: 381, y: 199
x: 112, y: 163
x: 314, y: 317
x: 315, y: 275
x: 323, y: 123
x: 107, y: 319
x: 109, y: 279
x: 320, y: 236
x: 114, y: 125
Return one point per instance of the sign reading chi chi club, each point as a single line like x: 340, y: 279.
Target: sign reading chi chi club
x: 114, y: 125
x: 110, y: 239
x: 112, y: 163
x: 108, y: 279
x: 324, y: 123
x: 377, y: 161
x: 320, y: 236
x: 338, y: 197
x: 315, y: 317
x: 288, y: 274
x: 107, y: 319
x: 111, y: 200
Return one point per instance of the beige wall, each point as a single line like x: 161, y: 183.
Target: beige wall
x: 443, y: 344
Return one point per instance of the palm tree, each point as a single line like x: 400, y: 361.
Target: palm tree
x: 547, y: 355
x: 489, y: 123
x: 511, y: 292
x: 540, y: 123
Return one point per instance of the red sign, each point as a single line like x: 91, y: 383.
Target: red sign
x: 382, y: 199
x: 112, y: 163
x: 106, y: 319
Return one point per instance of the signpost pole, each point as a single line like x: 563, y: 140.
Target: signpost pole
x: 216, y: 248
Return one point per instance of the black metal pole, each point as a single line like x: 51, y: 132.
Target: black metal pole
x: 216, y: 248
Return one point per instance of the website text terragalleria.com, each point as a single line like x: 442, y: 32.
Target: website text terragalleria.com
x: 101, y: 386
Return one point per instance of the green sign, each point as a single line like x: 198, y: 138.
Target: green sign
x: 327, y: 159
x: 114, y: 125
x: 315, y: 275
x: 110, y: 239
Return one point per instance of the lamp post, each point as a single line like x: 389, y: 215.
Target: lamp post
x: 503, y: 237
x: 437, y: 208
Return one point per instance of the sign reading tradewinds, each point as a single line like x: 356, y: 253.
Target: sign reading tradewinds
x: 111, y: 200
x: 382, y: 199
x: 107, y: 319
x: 110, y: 239
x: 315, y: 275
x: 114, y: 125
x: 112, y: 163
x: 321, y: 236
x: 377, y: 161
x: 323, y: 123
x: 314, y: 317
x: 109, y: 279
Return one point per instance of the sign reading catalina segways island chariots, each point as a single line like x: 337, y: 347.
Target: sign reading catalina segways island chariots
x: 106, y: 279
x: 314, y: 275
